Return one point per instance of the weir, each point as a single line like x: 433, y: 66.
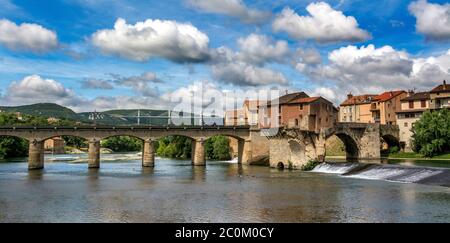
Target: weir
x: 396, y: 173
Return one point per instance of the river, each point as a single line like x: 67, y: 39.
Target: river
x: 174, y: 191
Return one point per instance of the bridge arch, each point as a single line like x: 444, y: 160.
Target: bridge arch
x: 350, y: 144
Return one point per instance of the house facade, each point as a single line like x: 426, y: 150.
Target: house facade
x: 440, y: 96
x: 385, y: 106
x: 357, y: 109
x: 412, y: 108
x: 235, y: 118
x: 308, y: 114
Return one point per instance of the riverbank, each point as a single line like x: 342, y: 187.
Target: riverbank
x: 402, y: 156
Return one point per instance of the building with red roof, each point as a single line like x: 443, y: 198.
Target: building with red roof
x: 357, y: 108
x: 385, y: 106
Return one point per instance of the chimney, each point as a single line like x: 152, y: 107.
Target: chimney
x: 349, y: 96
x: 410, y: 92
x: 391, y: 93
x: 287, y: 92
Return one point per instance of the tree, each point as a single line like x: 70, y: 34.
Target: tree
x: 12, y: 147
x: 431, y: 134
x: 75, y: 142
x: 123, y: 144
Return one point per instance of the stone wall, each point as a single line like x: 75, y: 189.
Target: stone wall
x: 294, y: 148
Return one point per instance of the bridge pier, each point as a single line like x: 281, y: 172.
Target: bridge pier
x: 244, y: 151
x: 36, y: 155
x: 94, y: 154
x: 148, y: 153
x: 198, y: 152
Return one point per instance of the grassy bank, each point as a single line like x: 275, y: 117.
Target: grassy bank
x: 418, y: 156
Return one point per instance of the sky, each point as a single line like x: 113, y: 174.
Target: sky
x: 99, y: 55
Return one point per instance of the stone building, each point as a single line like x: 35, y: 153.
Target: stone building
x: 269, y: 113
x: 357, y: 109
x: 412, y: 108
x: 385, y: 106
x: 308, y: 114
x: 235, y: 118
x: 251, y: 112
x: 55, y: 145
x: 440, y: 96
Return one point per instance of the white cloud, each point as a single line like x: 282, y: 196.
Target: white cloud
x: 259, y: 49
x: 140, y: 84
x: 96, y: 84
x: 324, y: 25
x: 247, y: 67
x: 240, y: 73
x: 35, y: 89
x: 433, y: 20
x: 178, y: 42
x: 26, y: 36
x: 372, y: 70
x: 234, y: 8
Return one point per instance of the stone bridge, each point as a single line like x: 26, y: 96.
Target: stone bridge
x: 293, y: 147
x: 148, y: 134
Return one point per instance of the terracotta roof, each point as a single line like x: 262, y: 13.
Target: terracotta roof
x: 359, y: 100
x: 418, y: 96
x: 287, y: 98
x: 304, y: 100
x: 388, y: 95
x: 444, y: 87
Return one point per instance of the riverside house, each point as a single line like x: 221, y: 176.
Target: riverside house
x: 412, y: 108
x: 385, y: 106
x: 357, y: 109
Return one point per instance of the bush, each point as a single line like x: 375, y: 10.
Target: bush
x: 310, y: 165
x: 431, y: 134
x: 394, y: 150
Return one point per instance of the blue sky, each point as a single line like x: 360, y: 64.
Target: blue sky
x: 357, y: 46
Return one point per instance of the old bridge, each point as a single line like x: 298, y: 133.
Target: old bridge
x: 289, y: 147
x: 148, y: 134
x: 294, y: 148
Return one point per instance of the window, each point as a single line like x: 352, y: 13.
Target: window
x: 320, y: 120
x: 301, y: 107
x: 411, y: 104
x: 406, y: 124
x: 423, y: 103
x: 296, y: 122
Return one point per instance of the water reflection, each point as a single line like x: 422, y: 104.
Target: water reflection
x: 175, y: 191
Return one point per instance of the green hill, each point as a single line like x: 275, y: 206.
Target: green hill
x: 43, y: 109
x: 111, y: 117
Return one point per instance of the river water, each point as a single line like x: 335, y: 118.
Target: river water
x: 174, y: 191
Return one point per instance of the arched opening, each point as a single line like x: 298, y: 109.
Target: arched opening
x: 349, y: 146
x: 122, y: 144
x: 389, y: 145
x: 222, y: 148
x: 13, y: 148
x: 64, y: 148
x: 280, y: 165
x: 174, y: 147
